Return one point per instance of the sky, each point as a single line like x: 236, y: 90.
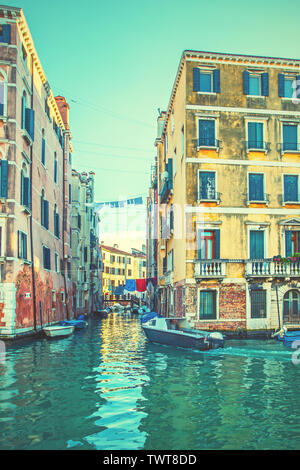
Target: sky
x: 115, y: 62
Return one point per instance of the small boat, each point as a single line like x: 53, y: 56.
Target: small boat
x: 58, y: 331
x: 103, y: 312
x: 78, y: 324
x: 177, y: 332
x: 290, y: 336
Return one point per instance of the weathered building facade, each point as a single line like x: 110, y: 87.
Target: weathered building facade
x: 87, y: 266
x: 228, y: 159
x: 35, y: 288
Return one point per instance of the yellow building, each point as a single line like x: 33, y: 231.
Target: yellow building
x: 227, y: 180
x: 120, y: 265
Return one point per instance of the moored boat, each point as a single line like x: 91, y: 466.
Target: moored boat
x: 58, y: 331
x: 177, y: 332
x: 78, y: 324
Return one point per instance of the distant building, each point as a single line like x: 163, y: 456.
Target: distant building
x: 121, y: 265
x: 35, y: 169
x: 87, y: 265
x: 227, y: 180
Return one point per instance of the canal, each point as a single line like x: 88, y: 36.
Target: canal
x: 106, y: 388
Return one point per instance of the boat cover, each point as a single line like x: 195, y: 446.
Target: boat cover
x: 149, y: 316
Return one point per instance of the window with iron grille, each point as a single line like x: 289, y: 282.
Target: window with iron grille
x: 258, y: 303
x: 208, y: 305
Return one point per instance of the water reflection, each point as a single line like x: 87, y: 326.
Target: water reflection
x: 106, y: 387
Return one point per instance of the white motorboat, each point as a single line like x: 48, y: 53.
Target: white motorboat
x: 58, y: 331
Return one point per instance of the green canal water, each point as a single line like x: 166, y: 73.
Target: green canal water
x: 107, y: 388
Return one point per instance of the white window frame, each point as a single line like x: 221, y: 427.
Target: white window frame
x: 256, y: 74
x: 209, y: 71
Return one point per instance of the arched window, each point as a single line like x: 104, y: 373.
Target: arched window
x: 291, y: 306
x: 43, y: 150
x: 55, y: 167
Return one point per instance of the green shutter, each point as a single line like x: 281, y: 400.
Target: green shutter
x: 4, y: 178
x: 217, y: 244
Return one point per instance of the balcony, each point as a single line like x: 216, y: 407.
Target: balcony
x: 209, y: 269
x: 265, y: 199
x: 212, y: 196
x: 267, y: 268
x: 290, y: 147
x: 208, y: 143
x: 257, y: 146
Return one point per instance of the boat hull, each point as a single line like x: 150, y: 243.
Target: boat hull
x: 58, y: 331
x: 173, y: 338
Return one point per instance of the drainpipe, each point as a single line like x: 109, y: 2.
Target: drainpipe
x: 31, y: 228
x: 65, y: 181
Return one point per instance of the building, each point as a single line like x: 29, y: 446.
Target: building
x: 87, y: 264
x: 35, y: 152
x: 121, y: 265
x: 228, y: 159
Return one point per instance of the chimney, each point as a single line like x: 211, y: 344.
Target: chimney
x: 63, y: 109
x: 115, y: 245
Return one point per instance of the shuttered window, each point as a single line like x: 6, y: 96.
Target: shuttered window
x: 255, y: 135
x: 257, y: 249
x: 46, y: 258
x: 289, y: 136
x: 25, y: 190
x: 22, y: 245
x: 5, y: 33
x: 256, y: 187
x: 290, y: 186
x: 3, y: 178
x: 208, y: 244
x: 44, y: 213
x: 292, y: 242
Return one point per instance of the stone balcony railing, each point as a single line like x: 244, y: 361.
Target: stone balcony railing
x: 210, y: 269
x: 266, y: 268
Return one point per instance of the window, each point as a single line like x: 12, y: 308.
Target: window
x: 129, y: 272
x: 290, y: 137
x: 22, y: 245
x: 56, y: 258
x: 23, y: 110
x: 69, y: 269
x: 44, y: 211
x: 206, y: 136
x: 47, y: 109
x: 5, y: 33
x: 55, y: 167
x: 208, y: 244
x: 290, y: 188
x: 255, y: 135
x: 46, y: 258
x: 257, y: 244
x: 70, y: 193
x: 286, y: 85
x: 256, y: 187
x: 206, y: 81
x: 256, y: 84
x: 25, y: 187
x: 172, y: 121
x: 3, y: 178
x: 43, y: 150
x: 258, y: 303
x: 207, y: 185
x: 292, y: 242
x: 56, y: 222
x: 182, y: 142
x: 24, y: 53
x: 208, y: 303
